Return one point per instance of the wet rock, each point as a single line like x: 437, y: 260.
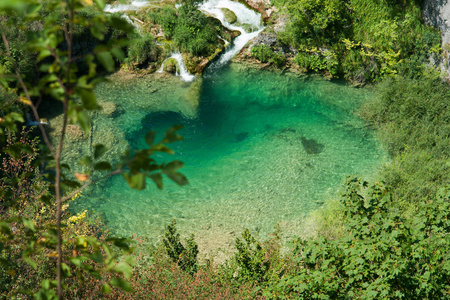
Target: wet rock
x: 263, y: 7
x: 247, y: 27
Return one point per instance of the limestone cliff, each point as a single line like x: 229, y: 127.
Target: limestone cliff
x: 437, y: 14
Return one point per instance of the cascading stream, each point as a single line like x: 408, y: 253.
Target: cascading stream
x: 134, y: 5
x: 181, y: 70
x: 245, y: 18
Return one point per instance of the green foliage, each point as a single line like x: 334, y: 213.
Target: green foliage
x: 383, y: 255
x: 265, y: 55
x: 143, y: 50
x: 412, y: 118
x: 370, y: 39
x: 317, y: 61
x: 316, y: 22
x: 189, y: 28
x: 184, y: 256
x: 251, y: 258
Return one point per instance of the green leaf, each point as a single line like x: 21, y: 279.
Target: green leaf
x: 100, y: 4
x: 170, y: 135
x: 122, y: 243
x: 65, y: 270
x: 118, y: 53
x: 121, y: 24
x: 106, y: 288
x: 162, y: 148
x: 86, y: 161
x: 89, y: 99
x: 119, y: 282
x: 150, y: 137
x: 43, y: 54
x: 106, y: 60
x: 124, y: 269
x: 178, y: 178
x: 173, y: 166
x: 99, y: 150
x: 84, y: 120
x: 16, y: 117
x: 138, y: 181
x: 157, y: 178
x: 102, y: 166
x: 29, y: 224
x: 45, y: 284
x: 13, y: 5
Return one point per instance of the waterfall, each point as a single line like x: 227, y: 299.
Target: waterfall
x: 244, y: 15
x: 134, y: 5
x: 181, y: 70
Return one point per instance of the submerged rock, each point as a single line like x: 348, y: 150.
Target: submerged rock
x: 311, y: 146
x: 108, y: 108
x: 241, y: 136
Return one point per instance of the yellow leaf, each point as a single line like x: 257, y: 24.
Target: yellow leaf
x: 53, y: 254
x: 25, y: 101
x: 81, y: 177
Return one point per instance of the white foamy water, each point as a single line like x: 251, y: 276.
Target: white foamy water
x: 134, y: 5
x: 182, y: 70
x: 244, y: 16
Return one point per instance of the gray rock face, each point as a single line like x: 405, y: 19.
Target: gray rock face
x: 437, y: 14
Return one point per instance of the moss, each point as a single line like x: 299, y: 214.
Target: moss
x: 171, y: 65
x: 230, y: 16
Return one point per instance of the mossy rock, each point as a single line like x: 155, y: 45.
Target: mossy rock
x: 247, y: 27
x: 230, y: 16
x: 171, y: 65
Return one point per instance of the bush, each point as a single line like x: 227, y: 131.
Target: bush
x: 143, y: 50
x: 189, y: 28
x: 383, y: 256
x: 184, y: 256
x: 264, y: 54
x: 370, y: 39
x: 316, y: 61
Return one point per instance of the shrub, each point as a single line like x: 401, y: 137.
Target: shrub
x: 189, y: 28
x: 143, y: 50
x: 264, y: 54
x: 184, y: 256
x: 382, y: 256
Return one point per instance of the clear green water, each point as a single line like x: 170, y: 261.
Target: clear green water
x: 244, y: 155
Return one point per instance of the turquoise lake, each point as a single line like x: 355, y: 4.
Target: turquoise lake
x: 263, y: 148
